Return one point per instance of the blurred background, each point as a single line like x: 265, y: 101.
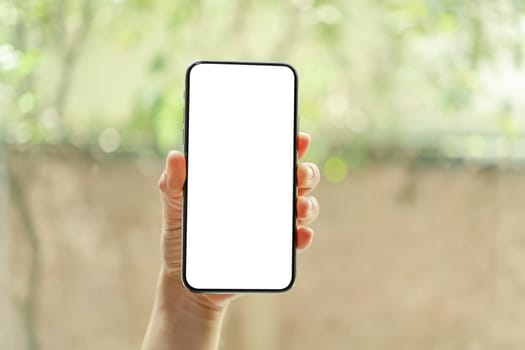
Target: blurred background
x: 417, y: 112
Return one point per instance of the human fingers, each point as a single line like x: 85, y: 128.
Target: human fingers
x: 307, y: 210
x: 304, y: 237
x: 171, y: 184
x: 308, y: 177
x: 303, y: 142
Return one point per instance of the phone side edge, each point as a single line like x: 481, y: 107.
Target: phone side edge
x: 185, y: 187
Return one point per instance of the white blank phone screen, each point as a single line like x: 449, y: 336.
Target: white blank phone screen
x: 240, y: 180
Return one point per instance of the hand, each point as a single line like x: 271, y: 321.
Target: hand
x: 171, y: 184
x: 185, y: 320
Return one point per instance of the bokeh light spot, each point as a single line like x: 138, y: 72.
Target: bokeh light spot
x: 109, y: 140
x: 335, y: 169
x: 26, y: 103
x: 9, y: 57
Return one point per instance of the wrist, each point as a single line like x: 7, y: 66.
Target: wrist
x: 175, y: 299
x: 182, y: 319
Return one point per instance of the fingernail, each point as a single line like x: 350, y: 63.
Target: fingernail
x: 310, y: 210
x: 311, y: 175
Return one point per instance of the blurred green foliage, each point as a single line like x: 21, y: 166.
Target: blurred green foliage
x: 439, y: 75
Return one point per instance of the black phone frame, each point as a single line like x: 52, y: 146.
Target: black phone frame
x: 185, y: 188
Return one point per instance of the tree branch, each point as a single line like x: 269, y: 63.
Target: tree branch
x: 69, y: 59
x: 31, y: 300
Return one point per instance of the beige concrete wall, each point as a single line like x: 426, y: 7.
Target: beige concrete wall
x: 402, y: 259
x: 6, y: 306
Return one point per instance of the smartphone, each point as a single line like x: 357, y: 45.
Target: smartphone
x: 240, y: 142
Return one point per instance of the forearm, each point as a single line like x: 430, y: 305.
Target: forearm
x: 179, y: 321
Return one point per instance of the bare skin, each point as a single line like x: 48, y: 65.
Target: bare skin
x: 192, y: 321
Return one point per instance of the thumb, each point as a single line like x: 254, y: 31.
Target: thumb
x: 170, y: 185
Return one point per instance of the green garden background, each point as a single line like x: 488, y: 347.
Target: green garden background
x: 417, y: 114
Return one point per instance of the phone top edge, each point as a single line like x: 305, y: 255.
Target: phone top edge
x: 246, y: 63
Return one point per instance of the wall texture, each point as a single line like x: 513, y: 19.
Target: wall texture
x: 403, y: 258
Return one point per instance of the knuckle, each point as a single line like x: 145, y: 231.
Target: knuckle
x: 162, y: 185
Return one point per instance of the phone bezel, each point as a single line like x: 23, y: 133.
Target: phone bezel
x: 185, y: 188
